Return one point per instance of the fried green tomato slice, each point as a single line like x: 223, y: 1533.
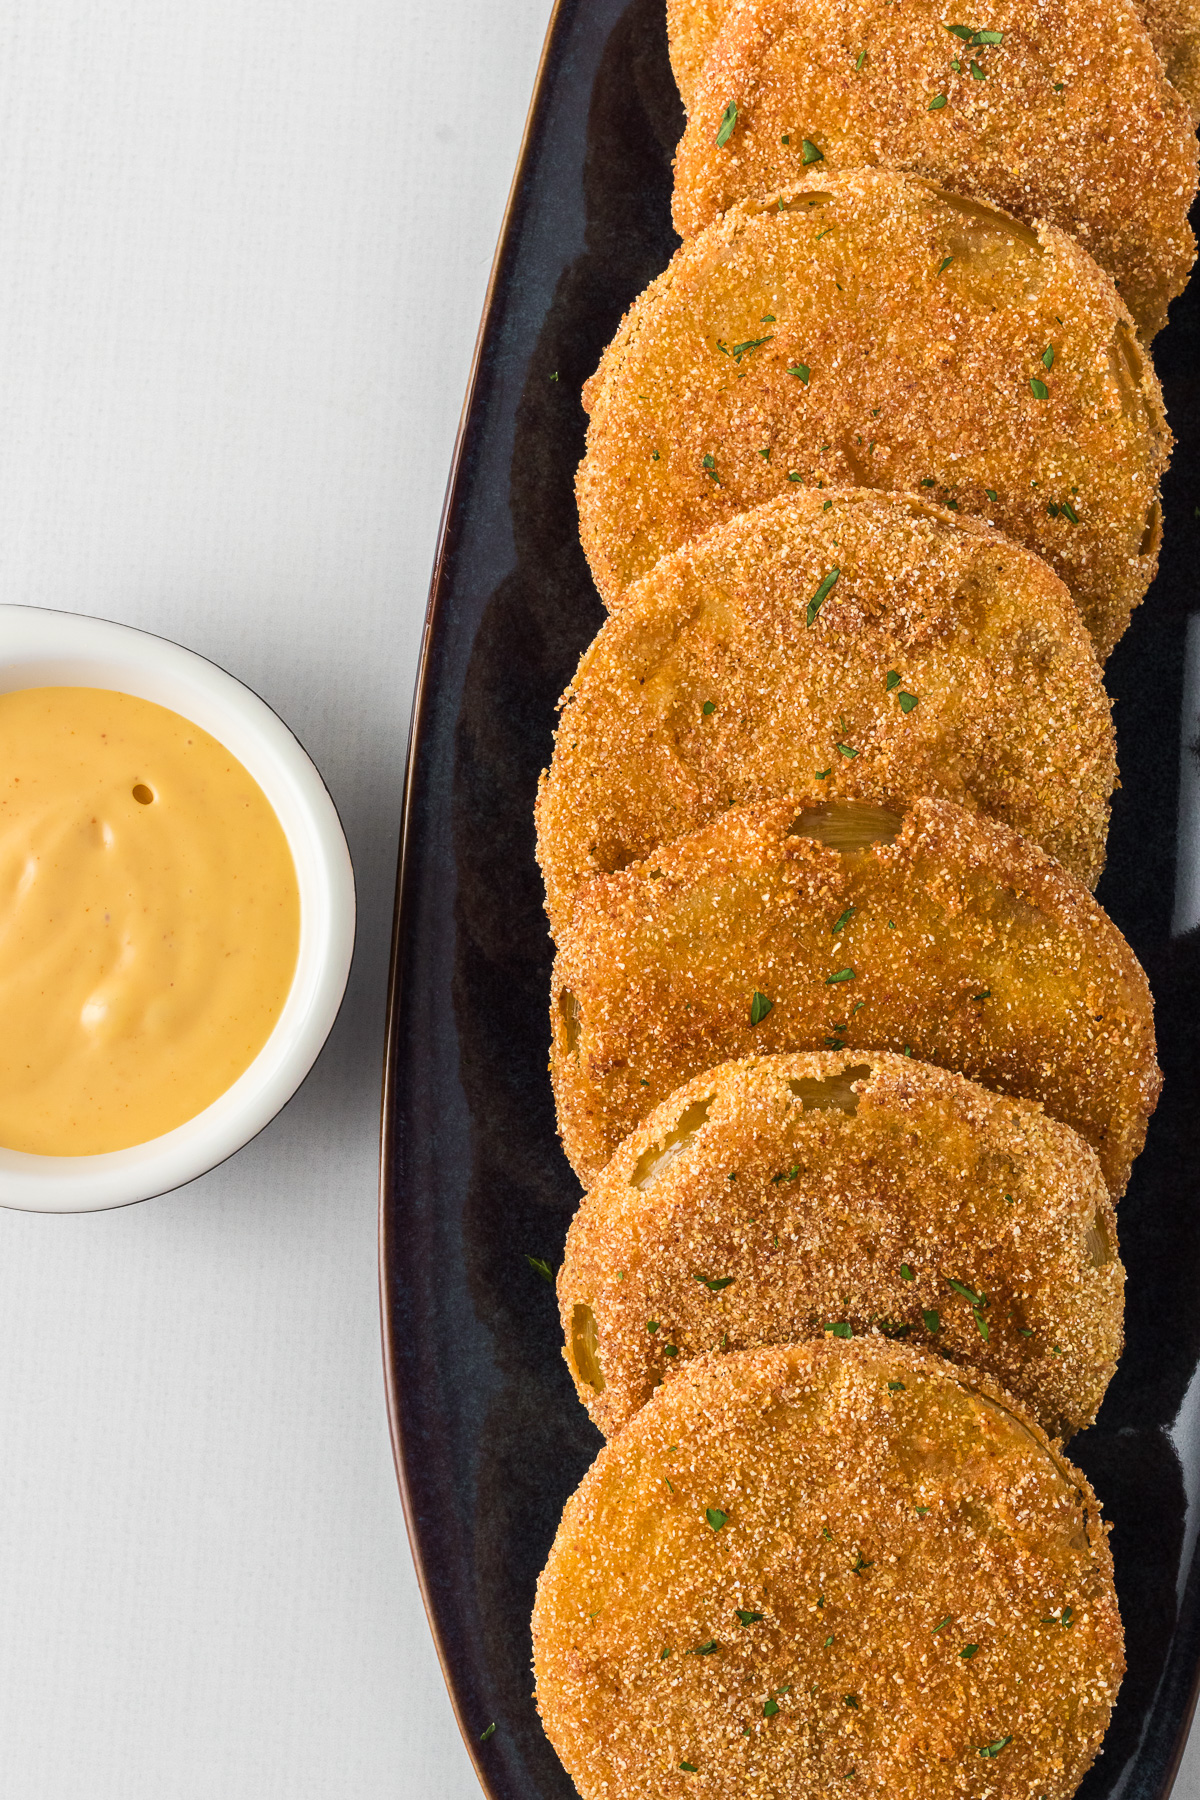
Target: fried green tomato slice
x: 693, y: 27
x: 798, y: 925
x: 782, y: 1197
x: 1174, y: 27
x: 952, y: 660
x: 1023, y: 115
x: 828, y: 1568
x: 867, y: 329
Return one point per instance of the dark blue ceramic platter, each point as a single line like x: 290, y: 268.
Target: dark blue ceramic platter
x: 489, y: 1436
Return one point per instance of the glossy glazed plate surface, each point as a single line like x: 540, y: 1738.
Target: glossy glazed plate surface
x: 489, y: 1436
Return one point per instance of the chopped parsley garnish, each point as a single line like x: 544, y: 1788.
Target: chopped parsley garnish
x: 992, y: 495
x: 839, y: 975
x: 770, y: 1708
x: 767, y: 319
x: 891, y: 680
x: 936, y: 104
x: 1070, y: 512
x: 944, y: 264
x: 703, y: 1649
x: 978, y: 73
x: 1040, y: 391
x: 897, y: 1387
x: 715, y: 1517
x: 862, y: 57
x: 714, y: 1287
x: 851, y: 1700
x: 811, y: 154
x: 652, y: 1325
x: 802, y: 372
x: 795, y: 475
x: 740, y: 350
x: 1064, y: 1621
x: 790, y: 1174
x: 907, y: 701
x: 760, y: 1006
x: 822, y: 594
x: 841, y: 1329
x: 988, y: 37
x: 663, y: 1654
x: 748, y: 1618
x: 689, y: 1768
x: 941, y: 1625
x: 485, y: 1735
x: 844, y: 920
x: 540, y: 1267
x: 728, y: 121
x: 1048, y: 357
x: 823, y: 774
x: 709, y: 465
x: 983, y: 994
x: 968, y: 1651
x: 827, y: 1642
x: 846, y: 750
x: 709, y: 708
x: 906, y: 1273
x: 933, y: 1320
x: 961, y: 31
x: 670, y: 1350
x: 960, y: 1287
x: 862, y: 1565
x: 996, y: 1748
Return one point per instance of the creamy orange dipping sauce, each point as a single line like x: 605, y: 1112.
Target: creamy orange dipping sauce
x: 149, y: 920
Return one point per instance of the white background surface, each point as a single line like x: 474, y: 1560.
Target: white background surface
x: 243, y: 249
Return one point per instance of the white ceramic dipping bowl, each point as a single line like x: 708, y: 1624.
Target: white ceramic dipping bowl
x: 39, y: 648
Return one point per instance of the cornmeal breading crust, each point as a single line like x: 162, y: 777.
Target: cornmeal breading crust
x: 959, y: 942
x: 951, y: 660
x: 1174, y: 26
x: 867, y: 329
x: 781, y: 1197
x: 1027, y: 124
x: 829, y: 1568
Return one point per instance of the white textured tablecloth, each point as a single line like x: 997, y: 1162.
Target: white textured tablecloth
x: 243, y: 250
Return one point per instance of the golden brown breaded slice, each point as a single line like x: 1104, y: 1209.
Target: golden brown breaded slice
x: 1174, y: 27
x: 828, y: 1569
x: 781, y: 1197
x: 738, y: 664
x: 693, y: 27
x: 867, y: 329
x: 1026, y: 121
x: 947, y: 937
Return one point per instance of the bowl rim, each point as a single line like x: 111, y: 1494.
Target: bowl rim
x: 41, y: 647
